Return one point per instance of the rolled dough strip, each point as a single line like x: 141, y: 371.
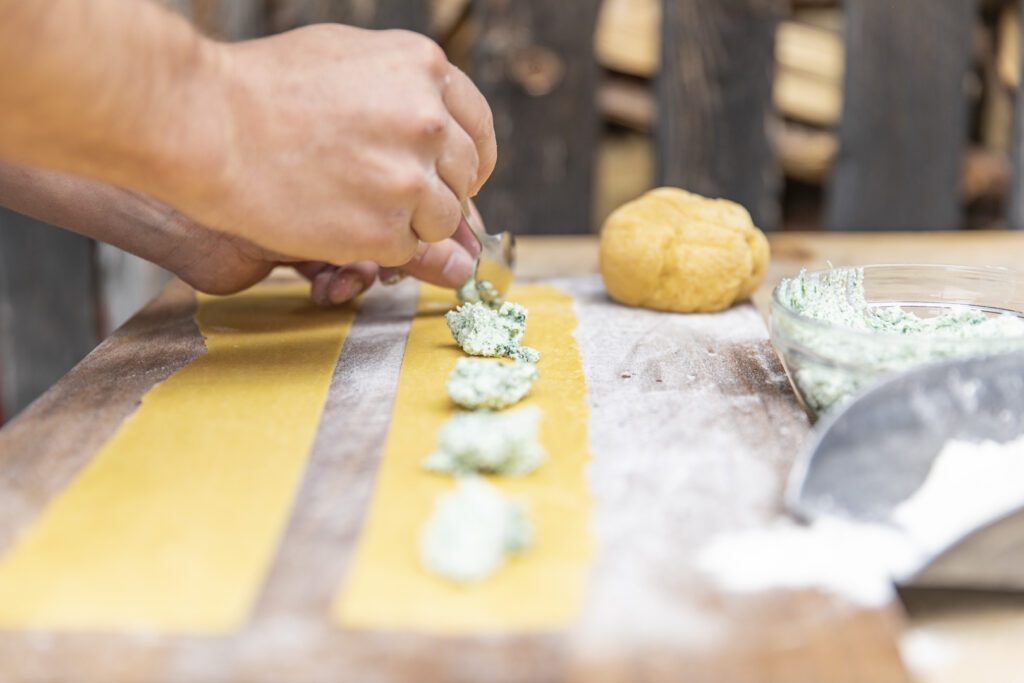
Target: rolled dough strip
x: 173, y: 524
x: 542, y: 590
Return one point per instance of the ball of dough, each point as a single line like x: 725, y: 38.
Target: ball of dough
x: 673, y: 250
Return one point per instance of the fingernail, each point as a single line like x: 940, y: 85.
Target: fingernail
x: 318, y: 291
x: 346, y: 287
x: 391, y: 276
x: 458, y: 268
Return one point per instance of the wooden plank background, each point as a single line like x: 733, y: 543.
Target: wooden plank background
x: 534, y: 62
x: 902, y: 134
x: 715, y: 101
x: 1015, y: 207
x: 48, y: 308
x: 374, y: 14
x: 904, y: 123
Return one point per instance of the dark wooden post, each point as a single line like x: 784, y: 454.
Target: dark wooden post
x: 48, y: 312
x: 904, y: 123
x: 715, y: 101
x: 534, y: 62
x: 231, y: 19
x: 1015, y: 210
x: 413, y: 15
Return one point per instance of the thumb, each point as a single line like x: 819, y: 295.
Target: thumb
x: 445, y: 264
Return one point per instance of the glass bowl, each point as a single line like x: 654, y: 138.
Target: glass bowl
x: 827, y: 363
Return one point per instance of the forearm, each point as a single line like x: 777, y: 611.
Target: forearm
x: 109, y: 89
x: 126, y: 219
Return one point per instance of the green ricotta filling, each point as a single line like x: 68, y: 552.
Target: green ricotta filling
x: 832, y: 366
x: 482, y: 331
x: 491, y: 443
x: 480, y: 292
x: 477, y: 383
x: 838, y: 298
x: 472, y: 532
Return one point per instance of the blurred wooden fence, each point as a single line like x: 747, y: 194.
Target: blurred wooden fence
x: 900, y: 151
x: 902, y: 132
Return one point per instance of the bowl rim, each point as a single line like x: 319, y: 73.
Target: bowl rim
x: 777, y: 304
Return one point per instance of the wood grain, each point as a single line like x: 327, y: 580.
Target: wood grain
x: 904, y: 122
x: 712, y: 637
x: 48, y: 308
x: 715, y: 102
x: 230, y: 19
x: 534, y: 62
x: 1015, y: 207
x: 412, y: 15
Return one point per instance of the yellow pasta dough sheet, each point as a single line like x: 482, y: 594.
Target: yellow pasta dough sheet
x: 539, y: 590
x: 173, y: 524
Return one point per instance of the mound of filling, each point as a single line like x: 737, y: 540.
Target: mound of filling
x: 472, y: 532
x: 484, y: 383
x: 482, y: 331
x: 490, y: 443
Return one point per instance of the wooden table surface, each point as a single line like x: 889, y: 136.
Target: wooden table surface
x: 946, y: 637
x: 950, y: 637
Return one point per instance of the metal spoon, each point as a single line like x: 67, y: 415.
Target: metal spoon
x: 497, y: 255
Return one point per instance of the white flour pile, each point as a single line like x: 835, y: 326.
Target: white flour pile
x: 968, y: 485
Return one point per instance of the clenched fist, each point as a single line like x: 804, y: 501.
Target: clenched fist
x: 329, y: 143
x: 340, y: 145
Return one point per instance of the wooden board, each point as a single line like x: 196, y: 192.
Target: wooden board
x: 534, y: 62
x: 235, y: 20
x: 715, y: 102
x: 685, y: 382
x: 48, y: 307
x: 368, y: 14
x: 377, y: 14
x: 1015, y: 207
x: 904, y: 123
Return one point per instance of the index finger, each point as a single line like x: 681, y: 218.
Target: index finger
x: 470, y: 110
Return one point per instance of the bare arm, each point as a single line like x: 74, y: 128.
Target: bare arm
x: 208, y: 260
x: 328, y: 143
x: 103, y: 88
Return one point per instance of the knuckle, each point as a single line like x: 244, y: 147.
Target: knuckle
x: 443, y: 224
x: 431, y: 56
x: 430, y: 123
x: 410, y: 184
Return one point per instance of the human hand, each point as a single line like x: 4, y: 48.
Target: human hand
x: 337, y: 144
x: 219, y: 263
x: 224, y: 264
x: 209, y: 260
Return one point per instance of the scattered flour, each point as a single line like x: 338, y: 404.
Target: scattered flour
x: 968, y: 485
x: 836, y: 555
x: 928, y: 652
